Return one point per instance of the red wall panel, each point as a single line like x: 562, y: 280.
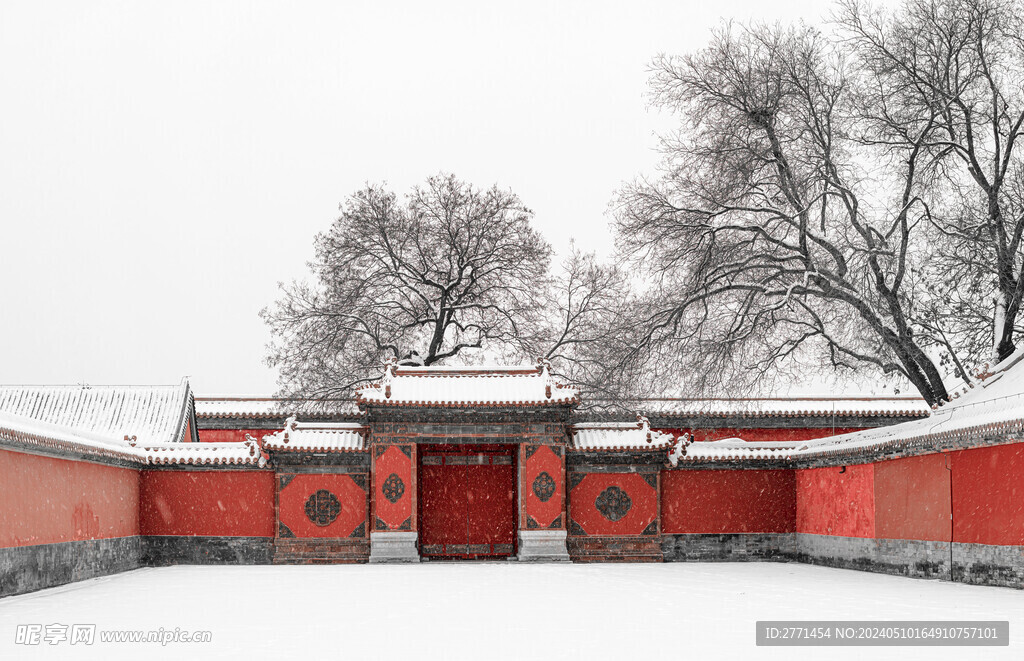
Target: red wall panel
x: 230, y: 435
x: 643, y: 504
x: 222, y: 503
x: 45, y: 500
x: 538, y: 460
x: 833, y: 501
x: 728, y: 501
x: 912, y: 498
x: 988, y: 495
x: 351, y: 518
x: 393, y: 476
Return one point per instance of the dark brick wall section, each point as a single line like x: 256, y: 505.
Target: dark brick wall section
x: 614, y: 549
x: 321, y: 551
x: 164, y: 550
x: 900, y: 557
x: 30, y: 568
x: 741, y: 547
x: 982, y: 564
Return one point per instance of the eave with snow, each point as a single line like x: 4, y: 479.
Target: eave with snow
x: 131, y: 425
x: 991, y: 412
x: 468, y: 387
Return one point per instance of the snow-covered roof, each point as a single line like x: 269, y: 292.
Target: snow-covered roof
x: 468, y: 386
x: 322, y: 437
x: 784, y: 407
x: 624, y: 436
x: 151, y: 414
x: 21, y: 432
x: 245, y: 453
x: 258, y: 407
x: 269, y: 408
x: 31, y: 433
x: 993, y: 405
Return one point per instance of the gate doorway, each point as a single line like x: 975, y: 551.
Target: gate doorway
x: 467, y: 501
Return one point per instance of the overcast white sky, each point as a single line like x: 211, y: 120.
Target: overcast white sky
x: 164, y: 165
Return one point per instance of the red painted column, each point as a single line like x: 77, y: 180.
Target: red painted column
x: 542, y: 486
x: 542, y: 502
x: 393, y: 536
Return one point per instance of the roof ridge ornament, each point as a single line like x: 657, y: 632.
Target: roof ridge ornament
x: 390, y: 371
x: 255, y: 449
x: 544, y: 367
x: 645, y: 425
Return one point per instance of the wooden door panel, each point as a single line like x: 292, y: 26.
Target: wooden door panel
x: 492, y: 505
x: 468, y: 502
x: 443, y: 507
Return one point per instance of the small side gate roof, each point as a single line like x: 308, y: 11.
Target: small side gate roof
x: 459, y: 387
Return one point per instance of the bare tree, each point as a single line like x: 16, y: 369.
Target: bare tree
x: 586, y: 328
x: 448, y: 270
x: 960, y: 62
x: 765, y: 238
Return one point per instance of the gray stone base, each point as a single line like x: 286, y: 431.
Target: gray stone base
x: 542, y: 546
x: 30, y: 568
x: 162, y: 550
x: 983, y: 564
x: 732, y: 547
x: 980, y: 564
x: 393, y: 547
x: 900, y: 557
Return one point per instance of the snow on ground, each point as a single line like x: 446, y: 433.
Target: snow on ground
x: 497, y: 611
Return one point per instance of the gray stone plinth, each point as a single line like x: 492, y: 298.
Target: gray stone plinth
x: 393, y: 547
x: 542, y: 546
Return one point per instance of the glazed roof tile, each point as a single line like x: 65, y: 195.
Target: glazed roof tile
x: 271, y: 408
x: 151, y: 414
x: 784, y: 407
x: 610, y: 437
x: 468, y: 386
x: 993, y: 405
x: 25, y: 433
x: 323, y: 437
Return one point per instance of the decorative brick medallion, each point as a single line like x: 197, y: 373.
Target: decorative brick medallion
x: 393, y: 488
x: 613, y: 503
x: 544, y: 487
x: 323, y: 507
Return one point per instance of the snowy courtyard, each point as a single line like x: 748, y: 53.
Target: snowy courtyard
x: 496, y: 611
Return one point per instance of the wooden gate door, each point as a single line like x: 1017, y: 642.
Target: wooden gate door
x: 467, y: 503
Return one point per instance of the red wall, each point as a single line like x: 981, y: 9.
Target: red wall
x: 230, y: 435
x: 912, y: 498
x: 988, y: 495
x: 223, y: 503
x: 45, y: 500
x: 830, y: 502
x: 728, y: 501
